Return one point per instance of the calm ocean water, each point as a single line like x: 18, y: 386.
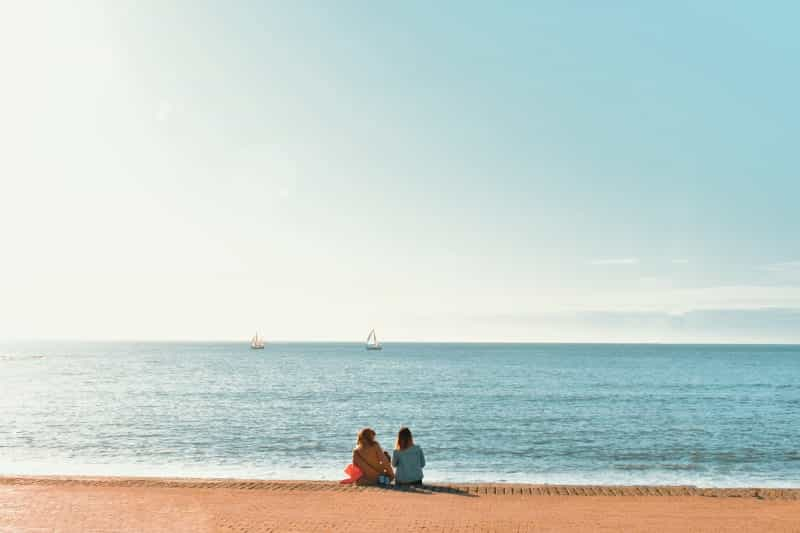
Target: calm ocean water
x: 703, y: 415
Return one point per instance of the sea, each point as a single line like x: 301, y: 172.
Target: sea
x: 705, y: 415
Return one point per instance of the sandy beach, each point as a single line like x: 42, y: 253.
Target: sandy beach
x: 146, y: 504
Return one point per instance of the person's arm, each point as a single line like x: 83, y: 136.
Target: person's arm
x: 421, y: 458
x: 395, y: 458
x: 368, y: 466
x: 358, y: 461
x: 385, y: 462
x: 364, y: 463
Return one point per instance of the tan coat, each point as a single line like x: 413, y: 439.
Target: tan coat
x: 373, y: 462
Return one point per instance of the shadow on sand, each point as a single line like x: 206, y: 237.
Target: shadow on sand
x: 429, y: 490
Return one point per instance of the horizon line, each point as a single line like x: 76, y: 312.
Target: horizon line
x: 384, y: 342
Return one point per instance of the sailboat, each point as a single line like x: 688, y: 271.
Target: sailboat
x: 372, y: 341
x: 257, y: 343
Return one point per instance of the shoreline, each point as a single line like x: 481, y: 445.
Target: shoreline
x: 134, y: 504
x: 494, y: 489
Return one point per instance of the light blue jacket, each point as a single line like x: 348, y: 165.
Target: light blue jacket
x: 408, y: 464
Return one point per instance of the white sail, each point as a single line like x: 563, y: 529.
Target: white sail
x: 372, y: 341
x: 256, y: 342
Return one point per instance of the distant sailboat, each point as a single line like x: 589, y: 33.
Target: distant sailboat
x: 257, y: 343
x: 372, y: 341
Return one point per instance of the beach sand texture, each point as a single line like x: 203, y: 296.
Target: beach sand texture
x: 29, y: 504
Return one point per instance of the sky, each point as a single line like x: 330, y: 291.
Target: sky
x: 448, y: 171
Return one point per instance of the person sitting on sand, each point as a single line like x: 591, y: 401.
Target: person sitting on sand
x: 408, y: 459
x: 371, y: 459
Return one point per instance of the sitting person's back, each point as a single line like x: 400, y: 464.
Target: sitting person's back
x: 371, y: 459
x: 408, y: 459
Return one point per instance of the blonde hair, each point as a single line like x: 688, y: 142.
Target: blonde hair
x: 366, y: 437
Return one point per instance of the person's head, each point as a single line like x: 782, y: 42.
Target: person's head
x: 404, y: 439
x: 366, y: 437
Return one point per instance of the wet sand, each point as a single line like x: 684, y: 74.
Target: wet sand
x: 145, y: 504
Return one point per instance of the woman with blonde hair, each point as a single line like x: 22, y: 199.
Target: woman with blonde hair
x: 408, y: 458
x: 371, y: 459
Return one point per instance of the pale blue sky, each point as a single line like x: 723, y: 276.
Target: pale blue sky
x: 457, y: 171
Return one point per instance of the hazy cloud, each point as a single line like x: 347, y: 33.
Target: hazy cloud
x: 616, y: 261
x: 785, y: 266
x: 786, y: 271
x: 767, y: 325
x: 164, y: 111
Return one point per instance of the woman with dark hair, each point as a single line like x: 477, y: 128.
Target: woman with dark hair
x: 408, y: 459
x: 371, y: 459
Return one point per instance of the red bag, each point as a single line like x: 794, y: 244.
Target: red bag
x: 354, y: 472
